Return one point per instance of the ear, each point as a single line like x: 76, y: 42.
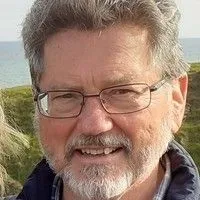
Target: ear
x: 179, y: 94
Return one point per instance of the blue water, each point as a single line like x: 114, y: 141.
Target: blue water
x: 14, y: 69
x: 191, y: 49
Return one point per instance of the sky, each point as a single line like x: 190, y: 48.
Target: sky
x: 12, y: 13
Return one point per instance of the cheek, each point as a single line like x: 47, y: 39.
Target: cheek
x: 54, y: 133
x: 142, y: 127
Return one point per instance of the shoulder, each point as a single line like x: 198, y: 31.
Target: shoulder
x: 39, y: 184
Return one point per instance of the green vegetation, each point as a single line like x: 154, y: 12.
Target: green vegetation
x: 19, y: 109
x: 189, y: 135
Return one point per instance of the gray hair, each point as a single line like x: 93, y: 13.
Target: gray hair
x: 159, y: 17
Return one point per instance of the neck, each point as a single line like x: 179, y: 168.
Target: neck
x: 146, y: 189
x: 139, y: 191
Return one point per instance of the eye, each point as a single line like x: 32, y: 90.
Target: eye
x: 121, y: 91
x: 65, y: 96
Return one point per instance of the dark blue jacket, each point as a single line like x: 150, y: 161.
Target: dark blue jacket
x: 185, y: 182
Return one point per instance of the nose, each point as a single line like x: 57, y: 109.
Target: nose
x: 93, y: 119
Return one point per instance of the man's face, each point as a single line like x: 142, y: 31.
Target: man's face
x: 98, y: 153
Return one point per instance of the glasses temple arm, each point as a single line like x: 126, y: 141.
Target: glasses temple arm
x: 157, y: 85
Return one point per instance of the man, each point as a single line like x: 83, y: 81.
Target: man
x: 110, y: 86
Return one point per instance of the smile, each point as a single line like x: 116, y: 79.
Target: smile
x: 101, y: 151
x: 97, y: 155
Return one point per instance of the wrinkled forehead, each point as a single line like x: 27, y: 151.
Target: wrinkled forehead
x: 121, y: 51
x: 114, y: 39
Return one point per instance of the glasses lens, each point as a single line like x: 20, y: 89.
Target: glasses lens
x: 126, y: 99
x: 60, y: 104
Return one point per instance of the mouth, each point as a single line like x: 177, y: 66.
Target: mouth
x: 97, y: 155
x: 98, y: 151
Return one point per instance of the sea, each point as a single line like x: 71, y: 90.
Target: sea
x: 14, y: 70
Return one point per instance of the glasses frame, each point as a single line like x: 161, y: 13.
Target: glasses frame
x: 40, y: 93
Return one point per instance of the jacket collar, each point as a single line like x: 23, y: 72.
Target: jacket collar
x: 185, y: 183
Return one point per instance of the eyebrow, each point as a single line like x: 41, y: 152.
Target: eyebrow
x: 59, y: 86
x: 125, y: 79
x: 112, y: 81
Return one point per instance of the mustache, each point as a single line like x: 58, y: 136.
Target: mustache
x: 101, y: 140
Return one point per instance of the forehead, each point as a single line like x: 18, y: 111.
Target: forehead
x: 96, y: 57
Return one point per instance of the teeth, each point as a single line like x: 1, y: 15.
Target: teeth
x: 87, y: 151
x: 105, y: 151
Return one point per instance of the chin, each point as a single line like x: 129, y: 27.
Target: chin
x: 94, y: 182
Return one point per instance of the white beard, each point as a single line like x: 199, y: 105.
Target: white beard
x: 98, y: 184
x: 102, y: 182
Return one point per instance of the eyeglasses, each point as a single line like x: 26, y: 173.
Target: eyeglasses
x: 120, y: 99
